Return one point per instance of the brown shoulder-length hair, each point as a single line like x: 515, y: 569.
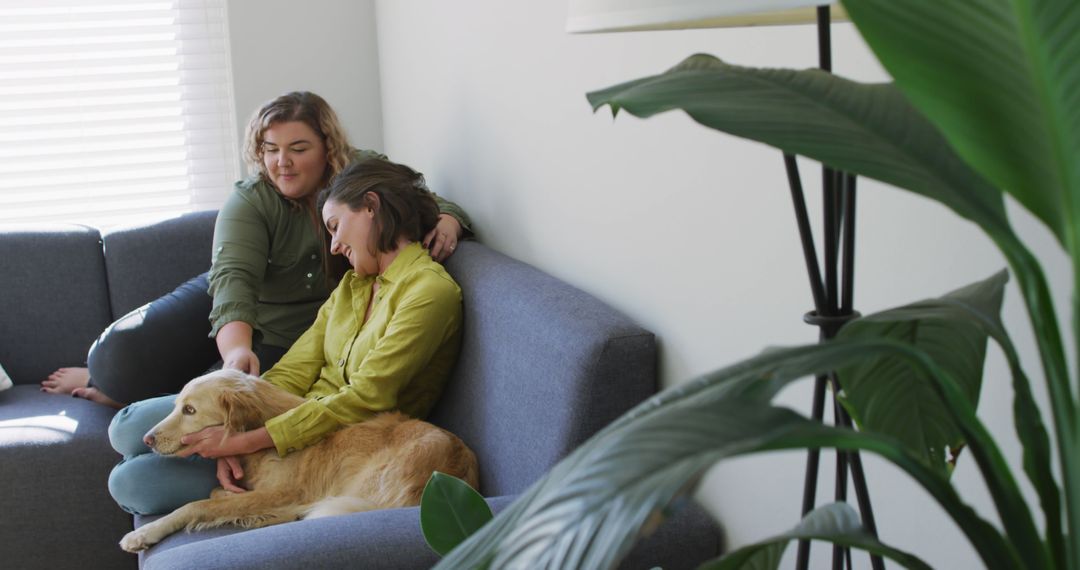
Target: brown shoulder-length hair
x: 405, y: 207
x: 308, y: 108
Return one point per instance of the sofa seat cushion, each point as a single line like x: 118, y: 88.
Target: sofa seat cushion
x: 55, y: 460
x: 391, y: 540
x: 376, y: 540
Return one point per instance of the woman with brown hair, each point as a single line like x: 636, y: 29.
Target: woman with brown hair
x: 385, y: 340
x: 271, y: 267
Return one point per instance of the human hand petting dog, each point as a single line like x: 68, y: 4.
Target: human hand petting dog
x: 214, y: 442
x: 229, y: 474
x: 242, y: 358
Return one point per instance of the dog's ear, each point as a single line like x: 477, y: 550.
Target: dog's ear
x: 241, y: 410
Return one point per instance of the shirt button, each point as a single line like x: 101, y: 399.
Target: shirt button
x: 307, y: 286
x: 313, y: 256
x: 341, y: 362
x: 309, y: 275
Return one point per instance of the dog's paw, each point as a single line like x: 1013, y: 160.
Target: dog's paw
x: 136, y: 541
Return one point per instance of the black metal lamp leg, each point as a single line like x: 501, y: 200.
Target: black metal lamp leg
x: 833, y: 307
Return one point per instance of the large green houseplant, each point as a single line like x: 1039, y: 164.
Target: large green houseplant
x: 986, y: 100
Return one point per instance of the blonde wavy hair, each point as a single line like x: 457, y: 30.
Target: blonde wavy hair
x: 308, y: 108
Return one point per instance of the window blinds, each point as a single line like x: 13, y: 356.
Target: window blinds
x: 114, y: 112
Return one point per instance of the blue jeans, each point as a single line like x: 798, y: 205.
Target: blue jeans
x: 156, y: 348
x: 146, y: 483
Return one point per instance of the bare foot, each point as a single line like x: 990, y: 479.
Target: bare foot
x: 95, y: 395
x: 66, y: 380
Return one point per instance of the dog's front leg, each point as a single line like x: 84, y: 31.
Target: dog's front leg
x: 152, y: 533
x: 253, y: 509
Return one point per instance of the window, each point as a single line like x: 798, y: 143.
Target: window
x: 115, y: 111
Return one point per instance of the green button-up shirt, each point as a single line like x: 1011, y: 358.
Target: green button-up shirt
x: 399, y: 359
x: 267, y: 266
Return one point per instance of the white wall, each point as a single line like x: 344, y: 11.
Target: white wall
x: 326, y: 46
x: 687, y: 230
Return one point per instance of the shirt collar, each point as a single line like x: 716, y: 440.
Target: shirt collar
x: 405, y: 258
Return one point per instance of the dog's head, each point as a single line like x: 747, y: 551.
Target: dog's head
x: 221, y: 398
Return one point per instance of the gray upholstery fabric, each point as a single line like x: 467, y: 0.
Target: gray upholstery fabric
x: 543, y: 366
x: 391, y: 540
x: 53, y: 298
x: 378, y: 540
x: 177, y: 249
x: 55, y: 508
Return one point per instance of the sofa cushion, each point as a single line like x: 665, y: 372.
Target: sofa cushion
x: 147, y: 261
x: 53, y: 298
x: 54, y: 463
x: 376, y: 540
x: 391, y: 540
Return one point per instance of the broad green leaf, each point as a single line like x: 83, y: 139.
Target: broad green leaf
x: 953, y: 330
x: 837, y: 523
x: 886, y: 395
x: 851, y: 127
x: 1027, y: 417
x: 450, y: 511
x: 1001, y: 79
x: 866, y: 129
x: 588, y: 510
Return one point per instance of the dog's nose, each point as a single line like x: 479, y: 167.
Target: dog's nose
x: 148, y: 439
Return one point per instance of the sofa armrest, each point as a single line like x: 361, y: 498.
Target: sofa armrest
x: 543, y: 367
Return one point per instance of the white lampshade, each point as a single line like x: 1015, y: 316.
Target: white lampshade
x: 636, y: 15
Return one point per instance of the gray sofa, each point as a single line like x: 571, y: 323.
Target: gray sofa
x: 543, y: 366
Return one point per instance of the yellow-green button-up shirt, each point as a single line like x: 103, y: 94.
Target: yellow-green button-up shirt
x: 349, y: 369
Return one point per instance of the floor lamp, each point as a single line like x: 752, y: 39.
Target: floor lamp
x: 833, y: 291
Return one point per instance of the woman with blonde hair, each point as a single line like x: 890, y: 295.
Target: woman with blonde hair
x: 271, y: 267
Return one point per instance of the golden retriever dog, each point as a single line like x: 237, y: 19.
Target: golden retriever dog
x: 377, y: 464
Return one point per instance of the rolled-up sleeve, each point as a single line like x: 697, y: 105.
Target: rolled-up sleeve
x: 241, y: 247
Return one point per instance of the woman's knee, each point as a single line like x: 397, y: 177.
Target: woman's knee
x: 153, y: 484
x: 156, y: 348
x: 130, y: 424
x: 125, y: 488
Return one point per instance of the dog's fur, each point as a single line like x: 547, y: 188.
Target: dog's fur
x: 377, y: 464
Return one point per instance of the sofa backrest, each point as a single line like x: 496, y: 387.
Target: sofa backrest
x: 61, y: 284
x: 148, y: 261
x: 543, y: 366
x: 53, y: 298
